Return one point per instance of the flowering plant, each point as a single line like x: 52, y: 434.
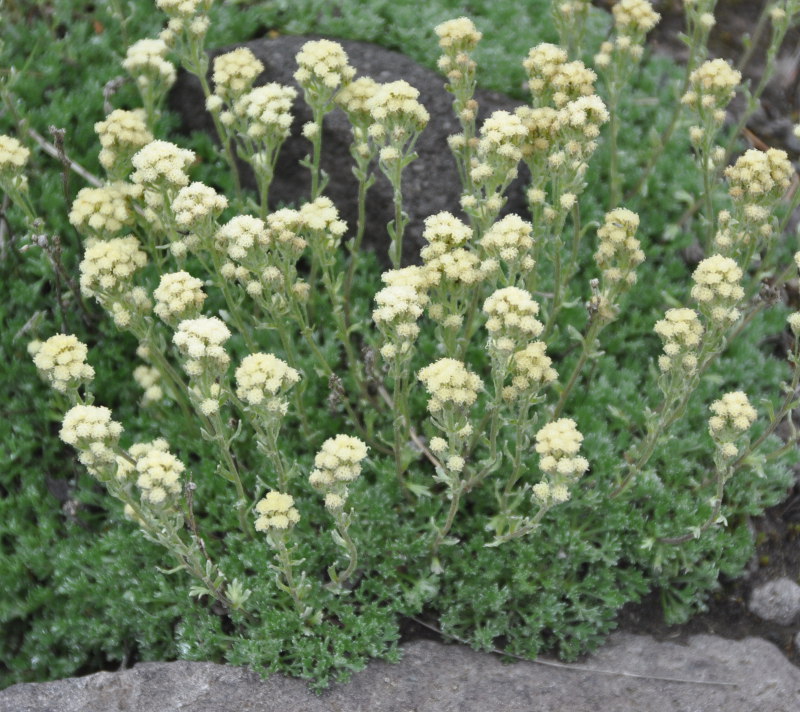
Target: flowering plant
x: 470, y: 440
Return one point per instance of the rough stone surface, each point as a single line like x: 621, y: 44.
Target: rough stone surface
x: 447, y: 678
x: 430, y: 184
x: 777, y: 601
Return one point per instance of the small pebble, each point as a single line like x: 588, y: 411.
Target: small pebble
x: 777, y: 601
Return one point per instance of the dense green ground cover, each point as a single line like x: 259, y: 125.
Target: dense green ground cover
x: 81, y: 589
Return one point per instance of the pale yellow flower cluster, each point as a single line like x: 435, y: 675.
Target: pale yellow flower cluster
x: 733, y: 415
x: 354, y: 100
x: 458, y: 35
x: 512, y: 321
x: 196, y: 205
x: 447, y: 261
x: 456, y: 268
x: 179, y: 296
x: 458, y: 38
x: 62, y: 361
x: 793, y: 320
x: 355, y: 97
x: 717, y: 289
x: 531, y: 369
x: 712, y: 87
x: 241, y: 234
x: 398, y: 308
x: 149, y: 380
x: 235, y: 72
x: 162, y: 162
x: 619, y: 252
x: 450, y: 385
x: 283, y: 232
x: 584, y: 116
x: 91, y: 431
x: 276, y: 511
x: 336, y: 465
x: 759, y: 174
x: 443, y: 232
x: 102, y: 212
x: 558, y: 444
x: 262, y: 379
x: 681, y: 332
x: 552, y: 78
x: 200, y: 341
x: 509, y: 240
x: 321, y: 219
x: 634, y: 18
x: 108, y: 265
x: 396, y: 113
x: 126, y: 469
x: 13, y: 156
x: 543, y: 125
x: 543, y: 63
x: 122, y: 133
x: 413, y: 276
x: 145, y: 62
x: 499, y: 148
x: 159, y: 476
x: 182, y: 8
x: 323, y: 67
x: 265, y: 112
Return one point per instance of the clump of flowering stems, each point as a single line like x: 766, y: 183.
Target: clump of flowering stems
x: 506, y: 426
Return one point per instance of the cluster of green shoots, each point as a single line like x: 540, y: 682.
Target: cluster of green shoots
x: 487, y: 291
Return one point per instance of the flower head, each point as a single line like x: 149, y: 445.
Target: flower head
x: 265, y: 113
x: 458, y: 35
x: 201, y: 341
x: 122, y: 133
x: 558, y: 444
x: 146, y: 62
x: 712, y: 85
x: 354, y: 100
x: 732, y: 416
x: 162, y: 163
x: 759, y: 174
x: 235, y: 72
x: 263, y: 379
x: 512, y: 319
x: 396, y: 114
x: 509, y: 240
x: 178, y: 296
x: 681, y: 332
x: 13, y: 156
x: 276, y: 511
x: 443, y: 232
x: 338, y: 461
x: 107, y: 266
x: 717, y: 289
x: 149, y: 380
x: 159, y: 473
x: 634, y: 18
x: 450, y: 385
x: 91, y: 431
x: 103, y: 212
x: 531, y: 369
x: 196, y: 205
x: 396, y: 313
x: 61, y: 359
x: 322, y: 67
x: 619, y: 252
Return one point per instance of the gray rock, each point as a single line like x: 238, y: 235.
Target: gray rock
x: 777, y: 601
x: 631, y: 673
x: 430, y: 184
